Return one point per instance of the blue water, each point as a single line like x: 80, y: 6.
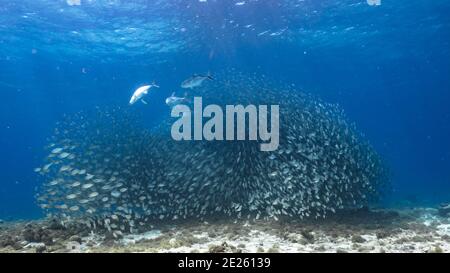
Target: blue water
x: 388, y: 67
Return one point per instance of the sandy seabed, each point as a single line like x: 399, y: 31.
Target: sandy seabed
x: 406, y: 230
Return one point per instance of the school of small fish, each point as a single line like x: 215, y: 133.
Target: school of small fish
x: 107, y: 169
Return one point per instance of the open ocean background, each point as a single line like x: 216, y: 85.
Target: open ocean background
x: 388, y: 67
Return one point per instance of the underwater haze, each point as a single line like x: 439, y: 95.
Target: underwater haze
x: 387, y: 66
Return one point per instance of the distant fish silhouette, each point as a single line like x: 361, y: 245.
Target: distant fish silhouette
x: 195, y: 81
x: 374, y: 2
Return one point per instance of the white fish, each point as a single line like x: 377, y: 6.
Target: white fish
x: 115, y: 194
x: 174, y: 100
x: 65, y: 168
x: 278, y: 32
x: 73, y: 2
x: 47, y: 166
x: 374, y: 2
x: 195, y: 81
x: 74, y: 208
x: 71, y: 196
x: 57, y: 150
x: 76, y: 184
x: 94, y: 194
x: 106, y: 187
x: 64, y: 155
x: 54, y: 183
x: 87, y: 186
x: 140, y: 93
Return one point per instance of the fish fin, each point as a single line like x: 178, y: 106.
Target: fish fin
x: 173, y: 94
x: 144, y: 102
x: 186, y: 97
x: 209, y: 76
x: 154, y: 84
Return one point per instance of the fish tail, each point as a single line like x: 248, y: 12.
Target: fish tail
x: 209, y: 76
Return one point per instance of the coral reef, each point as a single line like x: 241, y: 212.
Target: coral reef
x: 380, y: 231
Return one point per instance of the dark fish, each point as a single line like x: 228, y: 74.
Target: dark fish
x: 195, y: 81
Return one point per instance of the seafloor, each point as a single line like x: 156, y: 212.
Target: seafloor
x: 403, y: 230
